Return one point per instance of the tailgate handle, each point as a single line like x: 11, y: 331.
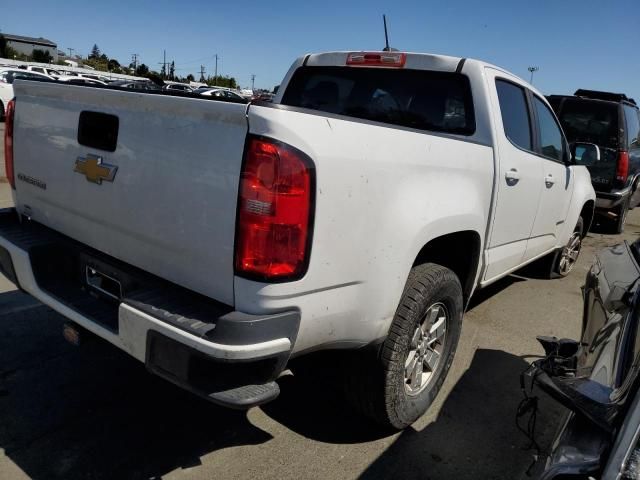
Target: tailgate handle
x: 98, y: 130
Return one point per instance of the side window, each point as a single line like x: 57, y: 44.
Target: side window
x: 515, y: 114
x: 633, y: 126
x: 550, y: 133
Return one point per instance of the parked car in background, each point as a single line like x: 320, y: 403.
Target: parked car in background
x: 78, y: 80
x: 136, y: 85
x: 52, y: 72
x: 100, y: 78
x: 598, y: 377
x: 360, y: 210
x: 262, y: 97
x: 7, y: 76
x: 612, y: 122
x: 221, y: 93
x: 177, y: 87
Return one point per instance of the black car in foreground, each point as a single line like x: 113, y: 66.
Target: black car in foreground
x: 612, y: 122
x: 597, y: 377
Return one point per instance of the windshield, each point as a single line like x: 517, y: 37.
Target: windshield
x: 420, y: 99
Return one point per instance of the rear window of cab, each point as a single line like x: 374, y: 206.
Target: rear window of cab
x: 420, y: 99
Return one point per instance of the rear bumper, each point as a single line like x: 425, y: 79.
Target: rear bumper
x: 607, y: 201
x: 179, y: 335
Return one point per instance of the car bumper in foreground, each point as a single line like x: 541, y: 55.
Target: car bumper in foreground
x: 610, y: 200
x: 229, y: 357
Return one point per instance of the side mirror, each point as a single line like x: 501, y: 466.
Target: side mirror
x: 584, y: 153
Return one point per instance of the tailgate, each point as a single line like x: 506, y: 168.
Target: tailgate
x: 170, y: 209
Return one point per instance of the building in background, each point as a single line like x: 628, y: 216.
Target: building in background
x: 27, y: 45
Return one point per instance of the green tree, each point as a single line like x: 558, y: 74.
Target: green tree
x: 41, y: 56
x: 191, y: 78
x: 95, y: 52
x: 142, y: 70
x: 226, y: 81
x: 114, y: 66
x: 97, y: 63
x: 172, y: 71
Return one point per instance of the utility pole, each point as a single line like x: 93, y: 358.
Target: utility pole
x: 215, y: 76
x: 164, y: 64
x: 202, y: 73
x: 253, y: 79
x: 70, y: 52
x: 532, y: 70
x: 134, y: 60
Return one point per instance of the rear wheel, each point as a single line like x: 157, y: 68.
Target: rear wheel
x: 568, y: 256
x: 396, y: 384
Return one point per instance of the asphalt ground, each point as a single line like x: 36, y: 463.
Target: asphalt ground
x: 92, y: 412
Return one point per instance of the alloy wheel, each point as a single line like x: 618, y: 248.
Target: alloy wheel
x: 426, y: 349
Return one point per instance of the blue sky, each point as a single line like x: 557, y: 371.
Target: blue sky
x: 575, y: 43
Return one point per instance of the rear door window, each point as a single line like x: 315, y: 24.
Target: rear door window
x: 421, y: 99
x: 515, y: 114
x: 550, y: 135
x: 633, y: 126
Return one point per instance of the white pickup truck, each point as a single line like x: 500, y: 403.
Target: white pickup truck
x: 215, y: 241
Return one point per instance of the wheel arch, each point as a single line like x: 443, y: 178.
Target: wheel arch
x: 458, y: 251
x: 587, y: 213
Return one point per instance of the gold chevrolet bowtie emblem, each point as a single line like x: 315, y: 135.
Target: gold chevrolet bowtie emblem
x: 92, y: 167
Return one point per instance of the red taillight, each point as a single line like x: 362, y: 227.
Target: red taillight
x: 622, y: 171
x: 8, y: 142
x: 377, y: 59
x: 274, y: 211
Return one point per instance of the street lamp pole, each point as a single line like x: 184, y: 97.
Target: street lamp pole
x: 532, y: 70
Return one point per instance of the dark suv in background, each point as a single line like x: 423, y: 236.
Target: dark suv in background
x: 612, y: 122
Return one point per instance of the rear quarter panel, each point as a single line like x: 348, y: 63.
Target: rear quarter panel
x: 382, y: 194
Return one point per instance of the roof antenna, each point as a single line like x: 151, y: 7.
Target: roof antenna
x: 386, y: 35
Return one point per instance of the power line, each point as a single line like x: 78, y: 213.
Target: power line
x: 202, y: 79
x: 134, y: 60
x: 164, y: 64
x: 253, y: 79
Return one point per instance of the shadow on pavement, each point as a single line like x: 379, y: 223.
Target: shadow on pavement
x: 312, y: 403
x: 474, y: 436
x: 482, y: 295
x: 78, y: 413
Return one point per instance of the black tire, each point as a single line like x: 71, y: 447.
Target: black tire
x: 621, y: 211
x: 560, y: 269
x: 633, y: 202
x: 376, y: 383
x: 1, y: 111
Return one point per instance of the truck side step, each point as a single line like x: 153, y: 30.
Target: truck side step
x: 246, y: 396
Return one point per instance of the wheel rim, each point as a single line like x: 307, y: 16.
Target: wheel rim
x: 426, y: 349
x: 570, y: 253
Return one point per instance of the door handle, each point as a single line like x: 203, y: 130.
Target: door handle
x: 549, y: 181
x: 512, y: 177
